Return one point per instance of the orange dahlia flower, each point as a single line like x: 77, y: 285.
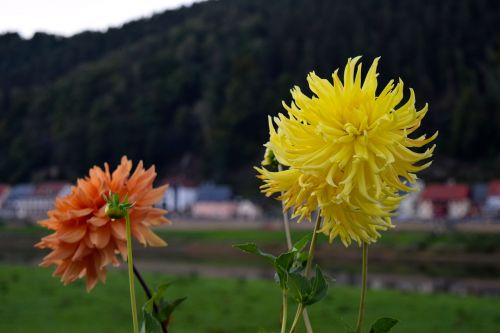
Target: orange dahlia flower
x: 85, y: 240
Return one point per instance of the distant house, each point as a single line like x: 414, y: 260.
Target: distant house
x: 212, y: 192
x: 4, y: 192
x: 479, y: 193
x: 214, y: 202
x: 31, y: 202
x: 181, y: 195
x: 10, y: 208
x: 222, y: 210
x: 492, y: 203
x: 445, y: 201
x: 408, y: 206
x: 247, y: 210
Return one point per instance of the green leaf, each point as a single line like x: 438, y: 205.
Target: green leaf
x: 319, y: 287
x: 308, y: 291
x: 285, y: 260
x: 148, y: 306
x: 160, y: 291
x: 283, y: 263
x: 150, y: 323
x: 383, y: 325
x: 299, y: 287
x: 252, y: 248
x: 301, y: 244
x: 166, y: 308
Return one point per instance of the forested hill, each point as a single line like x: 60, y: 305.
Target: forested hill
x: 190, y: 89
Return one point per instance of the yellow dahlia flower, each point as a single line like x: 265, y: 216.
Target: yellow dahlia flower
x: 348, y: 152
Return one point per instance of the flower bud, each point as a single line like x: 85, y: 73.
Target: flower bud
x: 269, y: 158
x: 114, y: 212
x: 114, y: 208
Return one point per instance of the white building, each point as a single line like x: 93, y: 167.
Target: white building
x: 179, y: 198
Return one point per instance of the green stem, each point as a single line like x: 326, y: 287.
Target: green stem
x: 131, y: 273
x: 300, y: 308
x: 361, y: 311
x: 285, y: 311
x: 286, y: 223
x: 312, y: 247
x: 310, y: 257
x: 307, y: 321
x: 147, y: 291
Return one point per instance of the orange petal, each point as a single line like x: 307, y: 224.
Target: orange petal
x: 62, y: 252
x: 158, y: 221
x: 72, y: 272
x: 61, y: 268
x: 98, y: 221
x: 153, y: 239
x: 107, y: 256
x: 81, y: 212
x: 120, y: 175
x: 100, y: 237
x: 49, y: 224
x: 138, y: 233
x: 152, y: 196
x: 122, y: 248
x: 82, y: 251
x: 72, y: 234
x: 145, y: 236
x: 91, y: 276
x: 118, y: 229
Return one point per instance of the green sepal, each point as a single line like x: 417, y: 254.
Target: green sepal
x: 114, y: 208
x: 383, y: 325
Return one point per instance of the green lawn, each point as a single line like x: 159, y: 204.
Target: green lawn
x: 33, y: 301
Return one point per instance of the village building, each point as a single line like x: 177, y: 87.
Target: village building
x: 214, y: 202
x: 491, y: 206
x: 180, y: 196
x: 407, y: 209
x: 4, y: 192
x: 444, y: 201
x: 31, y: 202
x: 247, y: 210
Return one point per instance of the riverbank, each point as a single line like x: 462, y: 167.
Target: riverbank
x: 425, y: 262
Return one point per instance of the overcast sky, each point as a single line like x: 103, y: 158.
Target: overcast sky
x: 67, y: 17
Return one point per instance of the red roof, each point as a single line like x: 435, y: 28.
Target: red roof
x: 446, y: 192
x: 494, y: 188
x: 4, y: 188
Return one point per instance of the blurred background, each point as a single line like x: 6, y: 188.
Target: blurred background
x: 189, y: 89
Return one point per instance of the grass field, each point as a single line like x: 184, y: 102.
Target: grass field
x: 33, y: 301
